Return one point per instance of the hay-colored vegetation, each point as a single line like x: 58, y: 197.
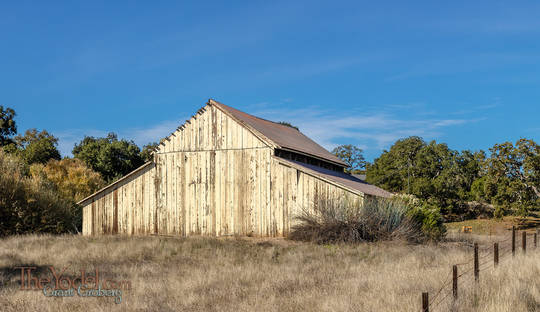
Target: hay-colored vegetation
x: 208, y: 274
x: 495, y: 226
x: 377, y: 219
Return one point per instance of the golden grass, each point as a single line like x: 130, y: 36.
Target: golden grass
x: 496, y: 226
x: 208, y: 274
x: 481, y: 226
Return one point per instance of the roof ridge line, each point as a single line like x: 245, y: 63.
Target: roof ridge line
x: 255, y: 132
x: 264, y: 119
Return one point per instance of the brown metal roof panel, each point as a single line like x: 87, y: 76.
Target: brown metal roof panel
x: 282, y: 135
x: 342, y: 178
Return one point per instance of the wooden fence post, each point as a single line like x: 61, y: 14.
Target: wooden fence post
x: 425, y: 302
x: 476, y: 266
x: 496, y: 254
x: 454, y: 281
x: 513, y: 240
x: 535, y: 238
x: 524, y: 241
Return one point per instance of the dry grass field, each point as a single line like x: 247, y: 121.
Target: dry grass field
x: 245, y: 274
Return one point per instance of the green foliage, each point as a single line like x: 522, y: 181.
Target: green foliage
x: 111, y: 157
x: 32, y: 204
x: 394, y: 169
x: 352, y: 156
x: 288, y: 124
x: 8, y: 128
x: 429, y: 217
x: 470, y: 168
x: 450, y: 180
x: 479, y: 191
x: 512, y: 180
x: 430, y: 171
x: 36, y: 147
x: 147, y: 153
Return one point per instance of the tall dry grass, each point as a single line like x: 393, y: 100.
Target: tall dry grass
x: 342, y: 222
x: 208, y: 274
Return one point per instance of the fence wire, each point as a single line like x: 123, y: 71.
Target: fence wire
x: 504, y: 251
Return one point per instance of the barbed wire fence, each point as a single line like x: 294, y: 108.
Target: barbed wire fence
x: 501, y: 250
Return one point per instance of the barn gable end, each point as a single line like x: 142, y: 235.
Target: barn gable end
x: 211, y: 128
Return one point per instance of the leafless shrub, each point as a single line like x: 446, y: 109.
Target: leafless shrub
x: 343, y: 222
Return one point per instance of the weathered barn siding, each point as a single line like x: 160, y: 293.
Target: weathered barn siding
x: 212, y: 176
x: 294, y: 190
x: 213, y: 192
x: 124, y: 208
x: 210, y: 129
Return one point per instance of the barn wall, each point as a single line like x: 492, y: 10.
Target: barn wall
x: 210, y: 177
x: 124, y: 208
x: 220, y: 192
x: 294, y: 190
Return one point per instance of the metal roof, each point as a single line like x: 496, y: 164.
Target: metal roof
x: 340, y: 178
x: 283, y: 136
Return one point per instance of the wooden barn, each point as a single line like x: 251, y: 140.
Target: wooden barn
x: 223, y: 172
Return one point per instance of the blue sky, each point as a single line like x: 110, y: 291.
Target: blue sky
x: 366, y: 73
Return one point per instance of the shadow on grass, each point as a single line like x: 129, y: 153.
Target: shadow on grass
x: 10, y: 276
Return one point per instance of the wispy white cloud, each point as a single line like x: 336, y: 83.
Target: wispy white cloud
x: 374, y: 131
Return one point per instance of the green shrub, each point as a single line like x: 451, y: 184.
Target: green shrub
x: 32, y: 204
x: 427, y: 215
x: 431, y: 221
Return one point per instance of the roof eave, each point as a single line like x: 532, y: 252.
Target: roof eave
x: 314, y: 156
x: 318, y: 176
x: 115, y: 182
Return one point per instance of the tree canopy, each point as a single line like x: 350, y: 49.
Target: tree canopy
x: 352, y: 156
x: 508, y: 179
x: 72, y: 178
x: 31, y: 204
x: 430, y: 171
x: 512, y: 178
x: 109, y: 156
x: 148, y: 150
x: 36, y: 147
x: 8, y: 128
x: 288, y: 124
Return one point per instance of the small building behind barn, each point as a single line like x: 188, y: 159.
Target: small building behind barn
x: 224, y: 172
